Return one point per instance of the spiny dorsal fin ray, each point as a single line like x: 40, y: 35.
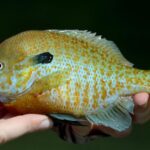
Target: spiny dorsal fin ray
x: 102, y: 43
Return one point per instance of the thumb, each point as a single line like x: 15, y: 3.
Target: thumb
x: 19, y: 125
x: 142, y: 107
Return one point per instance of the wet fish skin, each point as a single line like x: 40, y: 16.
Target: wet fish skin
x: 87, y: 76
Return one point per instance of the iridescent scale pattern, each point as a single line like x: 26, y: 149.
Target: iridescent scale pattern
x: 83, y: 77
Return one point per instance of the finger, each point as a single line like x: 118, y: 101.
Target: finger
x: 140, y: 101
x: 142, y: 112
x: 17, y: 126
x: 112, y: 132
x: 142, y: 116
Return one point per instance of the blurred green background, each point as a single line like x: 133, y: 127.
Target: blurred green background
x: 126, y: 23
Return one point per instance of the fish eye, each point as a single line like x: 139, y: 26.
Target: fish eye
x: 1, y: 66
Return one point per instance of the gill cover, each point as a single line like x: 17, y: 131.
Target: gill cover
x: 42, y: 58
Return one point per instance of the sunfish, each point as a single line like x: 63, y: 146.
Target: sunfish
x: 71, y: 75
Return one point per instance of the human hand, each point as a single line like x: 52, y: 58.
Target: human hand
x: 12, y: 126
x: 142, y: 108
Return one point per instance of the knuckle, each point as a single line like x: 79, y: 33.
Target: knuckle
x: 3, y: 137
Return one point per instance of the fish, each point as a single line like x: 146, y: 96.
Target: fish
x: 70, y: 75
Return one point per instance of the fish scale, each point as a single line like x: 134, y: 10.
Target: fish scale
x: 72, y: 75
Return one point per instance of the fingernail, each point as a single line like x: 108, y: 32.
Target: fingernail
x: 45, y: 124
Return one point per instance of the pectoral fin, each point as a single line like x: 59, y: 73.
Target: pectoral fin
x: 117, y: 117
x: 66, y: 118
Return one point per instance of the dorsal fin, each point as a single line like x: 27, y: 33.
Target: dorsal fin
x: 109, y: 46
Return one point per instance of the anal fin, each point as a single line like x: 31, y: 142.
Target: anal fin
x: 116, y: 117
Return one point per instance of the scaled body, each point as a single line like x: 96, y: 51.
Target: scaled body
x: 69, y: 72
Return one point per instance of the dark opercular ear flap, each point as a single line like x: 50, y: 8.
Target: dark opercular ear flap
x: 43, y: 58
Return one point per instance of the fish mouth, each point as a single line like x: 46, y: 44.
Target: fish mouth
x: 6, y: 98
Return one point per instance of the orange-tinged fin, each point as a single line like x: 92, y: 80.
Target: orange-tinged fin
x: 116, y: 117
x: 98, y: 41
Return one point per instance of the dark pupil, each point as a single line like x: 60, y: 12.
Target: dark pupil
x: 0, y: 65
